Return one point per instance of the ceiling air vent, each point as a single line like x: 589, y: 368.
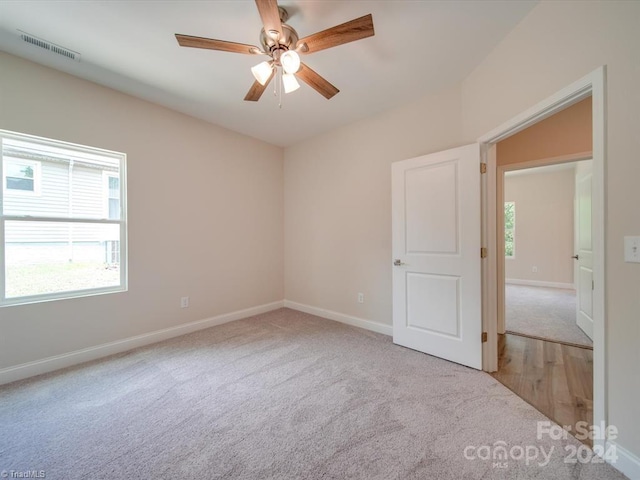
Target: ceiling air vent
x: 52, y: 47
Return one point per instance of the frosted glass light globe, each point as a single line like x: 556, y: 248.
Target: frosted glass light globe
x: 290, y: 61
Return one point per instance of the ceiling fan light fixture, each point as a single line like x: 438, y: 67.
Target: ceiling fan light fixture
x: 289, y: 82
x: 262, y: 72
x: 282, y: 43
x: 290, y: 61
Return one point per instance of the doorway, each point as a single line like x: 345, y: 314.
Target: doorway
x: 592, y: 86
x: 547, y: 222
x: 545, y: 356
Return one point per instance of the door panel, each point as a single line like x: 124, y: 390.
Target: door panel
x: 585, y: 303
x: 583, y: 241
x: 433, y: 302
x: 431, y: 209
x: 436, y: 250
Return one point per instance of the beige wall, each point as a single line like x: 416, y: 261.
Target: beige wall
x: 564, y: 133
x: 544, y: 225
x: 555, y: 45
x: 205, y: 214
x: 338, y: 205
x: 337, y: 186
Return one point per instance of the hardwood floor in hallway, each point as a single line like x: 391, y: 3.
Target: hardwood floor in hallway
x: 556, y: 379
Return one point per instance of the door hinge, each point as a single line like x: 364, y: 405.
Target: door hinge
x: 483, y: 252
x: 593, y: 285
x: 483, y: 168
x: 484, y: 337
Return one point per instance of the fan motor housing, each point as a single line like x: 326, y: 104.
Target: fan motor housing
x: 282, y: 44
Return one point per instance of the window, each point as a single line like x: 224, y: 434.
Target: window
x: 509, y: 229
x: 62, y: 220
x: 21, y: 176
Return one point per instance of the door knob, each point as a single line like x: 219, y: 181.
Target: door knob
x: 576, y: 257
x: 398, y: 263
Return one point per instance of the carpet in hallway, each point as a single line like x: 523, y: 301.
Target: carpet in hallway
x: 548, y: 313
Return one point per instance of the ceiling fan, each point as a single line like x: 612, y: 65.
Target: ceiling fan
x: 281, y: 42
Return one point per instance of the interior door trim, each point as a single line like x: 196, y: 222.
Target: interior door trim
x: 594, y: 85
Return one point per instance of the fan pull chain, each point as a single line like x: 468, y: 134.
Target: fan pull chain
x: 275, y: 82
x: 280, y: 91
x: 278, y: 85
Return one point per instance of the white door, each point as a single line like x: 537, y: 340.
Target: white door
x: 436, y: 255
x: 583, y: 276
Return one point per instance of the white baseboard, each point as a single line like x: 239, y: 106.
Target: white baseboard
x: 627, y: 462
x: 49, y: 364
x: 539, y: 283
x: 341, y: 317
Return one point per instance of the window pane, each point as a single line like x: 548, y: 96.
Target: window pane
x: 508, y: 243
x: 114, y: 209
x: 24, y: 184
x: 114, y: 187
x: 509, y: 214
x: 509, y: 226
x: 48, y: 257
x: 69, y: 183
x: 18, y: 170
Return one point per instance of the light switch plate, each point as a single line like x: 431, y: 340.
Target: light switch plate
x: 632, y: 249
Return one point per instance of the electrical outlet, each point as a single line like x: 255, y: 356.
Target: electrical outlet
x: 534, y: 269
x: 184, y: 302
x: 360, y: 297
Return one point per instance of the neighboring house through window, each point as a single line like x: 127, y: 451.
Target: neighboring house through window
x: 62, y: 220
x: 509, y: 229
x: 113, y: 196
x: 112, y: 207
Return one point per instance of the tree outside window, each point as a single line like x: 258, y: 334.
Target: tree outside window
x: 509, y: 229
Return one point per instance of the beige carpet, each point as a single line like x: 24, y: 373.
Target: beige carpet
x: 283, y: 395
x: 548, y: 313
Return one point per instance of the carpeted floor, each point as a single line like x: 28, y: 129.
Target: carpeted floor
x: 548, y: 313
x: 284, y: 395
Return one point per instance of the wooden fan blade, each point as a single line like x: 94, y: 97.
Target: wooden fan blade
x: 211, y: 44
x: 257, y: 89
x: 340, y: 34
x: 316, y: 82
x: 270, y: 16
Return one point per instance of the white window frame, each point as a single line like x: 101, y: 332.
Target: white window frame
x: 122, y: 222
x: 513, y: 231
x: 37, y: 176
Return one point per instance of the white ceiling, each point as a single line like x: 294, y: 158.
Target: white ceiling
x: 419, y: 47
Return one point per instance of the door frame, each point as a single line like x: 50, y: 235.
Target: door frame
x: 594, y: 85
